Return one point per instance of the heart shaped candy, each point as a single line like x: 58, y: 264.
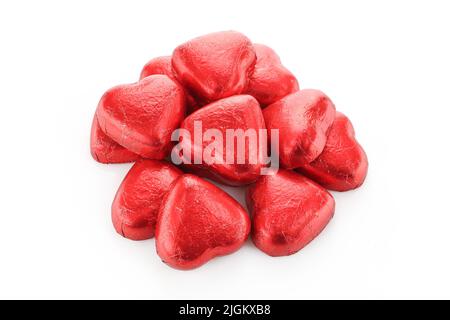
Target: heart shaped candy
x: 303, y: 119
x: 288, y: 212
x: 343, y: 164
x: 159, y: 65
x: 197, y: 222
x: 136, y: 205
x: 142, y: 116
x: 241, y: 112
x: 216, y: 65
x: 270, y: 81
x: 106, y: 150
x: 163, y: 65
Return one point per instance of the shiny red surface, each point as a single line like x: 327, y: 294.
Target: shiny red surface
x: 225, y: 82
x: 343, y: 163
x: 236, y: 112
x: 142, y: 116
x: 106, y: 150
x: 159, y: 65
x: 216, y: 65
x: 163, y: 65
x: 288, y: 211
x: 136, y: 205
x: 270, y: 80
x: 197, y: 222
x: 303, y: 119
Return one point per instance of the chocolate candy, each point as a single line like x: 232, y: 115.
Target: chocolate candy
x: 303, y: 120
x: 343, y: 164
x: 106, y: 150
x: 288, y: 211
x: 240, y: 112
x: 270, y: 80
x: 215, y: 66
x: 136, y: 205
x: 233, y: 91
x: 142, y: 116
x: 163, y: 65
x: 197, y: 222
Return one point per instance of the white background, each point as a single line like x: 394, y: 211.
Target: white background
x: 386, y: 64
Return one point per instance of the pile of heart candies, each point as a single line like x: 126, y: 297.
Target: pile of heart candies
x: 224, y: 81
